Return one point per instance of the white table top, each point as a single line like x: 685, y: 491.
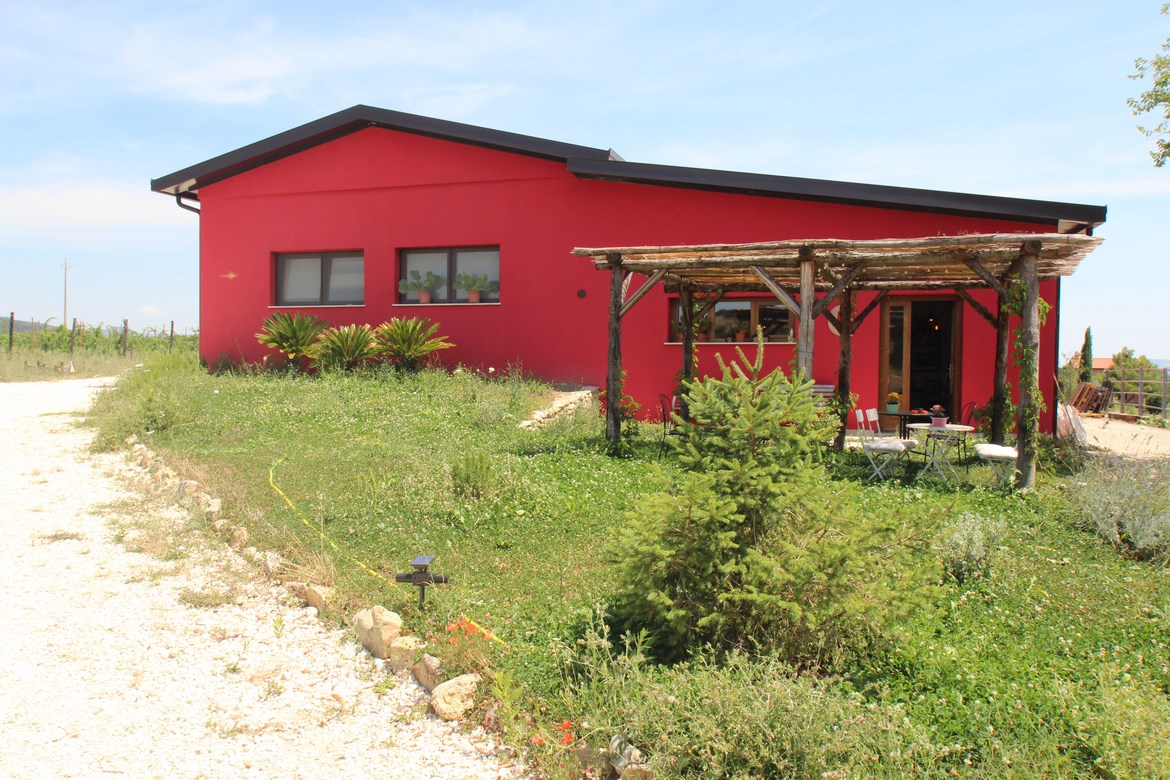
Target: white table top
x: 952, y: 427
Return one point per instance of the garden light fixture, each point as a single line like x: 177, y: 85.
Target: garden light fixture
x: 421, y: 577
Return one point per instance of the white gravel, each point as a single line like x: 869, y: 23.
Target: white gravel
x: 106, y: 673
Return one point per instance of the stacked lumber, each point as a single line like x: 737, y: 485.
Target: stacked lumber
x: 1090, y: 398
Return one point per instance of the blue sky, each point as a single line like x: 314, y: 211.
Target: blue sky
x: 1013, y: 99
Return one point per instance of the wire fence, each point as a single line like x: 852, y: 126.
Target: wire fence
x: 100, y: 339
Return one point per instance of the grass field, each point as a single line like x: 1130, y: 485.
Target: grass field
x: 1054, y: 664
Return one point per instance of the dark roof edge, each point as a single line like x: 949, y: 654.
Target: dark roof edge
x: 875, y: 195
x: 357, y: 118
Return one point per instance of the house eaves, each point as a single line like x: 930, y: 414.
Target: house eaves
x: 1067, y: 217
x: 351, y: 120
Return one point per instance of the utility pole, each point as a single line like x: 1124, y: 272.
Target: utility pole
x: 65, y: 317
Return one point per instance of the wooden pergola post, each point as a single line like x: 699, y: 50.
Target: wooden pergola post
x: 808, y: 299
x: 844, y: 365
x: 999, y: 393
x: 1028, y: 416
x: 613, y: 376
x: 686, y: 302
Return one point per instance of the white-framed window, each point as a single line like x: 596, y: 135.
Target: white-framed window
x: 736, y: 320
x: 320, y: 279
x: 447, y: 273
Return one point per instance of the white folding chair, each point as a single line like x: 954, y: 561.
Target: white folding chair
x: 883, y: 453
x: 1001, y: 459
x: 875, y: 426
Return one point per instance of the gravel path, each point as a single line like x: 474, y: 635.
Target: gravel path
x: 108, y: 671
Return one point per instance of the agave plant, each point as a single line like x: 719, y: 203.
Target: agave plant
x: 291, y: 334
x: 344, y: 347
x: 409, y: 341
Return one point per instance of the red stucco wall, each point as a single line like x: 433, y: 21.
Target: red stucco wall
x: 380, y: 190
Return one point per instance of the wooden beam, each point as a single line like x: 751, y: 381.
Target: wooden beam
x: 640, y: 293
x: 686, y: 304
x: 825, y: 302
x: 986, y: 276
x: 777, y: 290
x: 1028, y: 416
x: 977, y: 306
x: 869, y: 307
x: 808, y: 294
x: 832, y: 319
x: 613, y: 376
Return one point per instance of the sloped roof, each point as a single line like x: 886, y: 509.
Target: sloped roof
x: 604, y: 164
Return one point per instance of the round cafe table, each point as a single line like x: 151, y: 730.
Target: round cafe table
x: 903, y: 419
x: 937, y: 443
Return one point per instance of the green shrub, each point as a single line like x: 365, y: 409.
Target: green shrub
x: 739, y: 718
x: 472, y: 474
x: 757, y: 550
x: 345, y: 347
x: 292, y: 335
x: 1127, y: 502
x: 968, y: 543
x: 409, y: 341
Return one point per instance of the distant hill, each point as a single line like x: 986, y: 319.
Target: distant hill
x: 22, y: 326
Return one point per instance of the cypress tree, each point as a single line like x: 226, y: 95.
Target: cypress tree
x: 1087, y: 357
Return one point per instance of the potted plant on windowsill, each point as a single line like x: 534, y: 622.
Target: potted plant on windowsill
x: 423, y: 285
x: 893, y: 402
x: 476, y: 285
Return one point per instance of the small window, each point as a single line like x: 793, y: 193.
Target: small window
x: 736, y: 320
x: 464, y: 275
x: 320, y: 279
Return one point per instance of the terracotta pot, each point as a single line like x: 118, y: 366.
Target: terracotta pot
x: 473, y: 296
x: 424, y: 296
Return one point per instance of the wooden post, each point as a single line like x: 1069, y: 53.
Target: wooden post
x: 11, y: 326
x: 843, y: 365
x: 686, y: 302
x: 999, y: 396
x: 125, y: 335
x: 1141, y: 410
x: 613, y: 377
x: 1027, y: 420
x: 72, y: 337
x: 1121, y: 388
x: 171, y: 344
x: 808, y: 293
x: 1165, y: 375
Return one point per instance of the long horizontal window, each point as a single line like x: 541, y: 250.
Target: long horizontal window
x: 457, y: 275
x: 736, y: 320
x: 320, y: 278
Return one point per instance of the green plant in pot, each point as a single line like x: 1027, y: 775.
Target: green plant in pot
x: 425, y: 286
x: 476, y: 285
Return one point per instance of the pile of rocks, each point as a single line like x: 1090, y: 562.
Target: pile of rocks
x: 562, y: 403
x: 380, y: 632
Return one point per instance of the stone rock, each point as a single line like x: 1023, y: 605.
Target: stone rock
x: 376, y: 629
x: 251, y: 553
x: 214, y: 506
x: 451, y: 700
x: 403, y: 651
x: 627, y: 760
x: 594, y: 761
x: 239, y: 538
x: 219, y: 525
x: 298, y: 589
x: 318, y: 596
x: 131, y: 440
x: 272, y: 564
x: 428, y: 671
x: 137, y: 450
x: 187, y: 487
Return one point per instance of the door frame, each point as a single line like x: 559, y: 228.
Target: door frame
x: 956, y: 399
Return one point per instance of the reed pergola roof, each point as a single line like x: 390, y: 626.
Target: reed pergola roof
x: 895, y: 263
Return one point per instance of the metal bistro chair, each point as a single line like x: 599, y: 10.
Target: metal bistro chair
x: 666, y: 406
x: 882, y: 453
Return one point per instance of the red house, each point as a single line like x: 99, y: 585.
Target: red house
x: 329, y: 218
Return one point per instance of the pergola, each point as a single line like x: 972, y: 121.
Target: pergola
x: 810, y: 276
